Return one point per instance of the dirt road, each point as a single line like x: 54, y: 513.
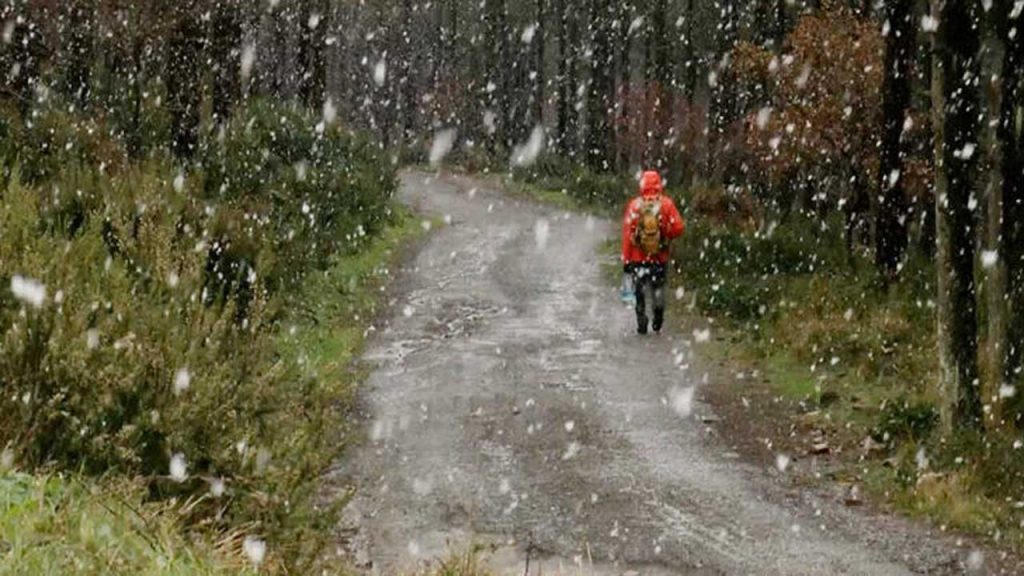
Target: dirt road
x: 513, y: 405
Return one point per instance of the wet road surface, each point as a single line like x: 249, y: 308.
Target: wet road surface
x: 512, y: 405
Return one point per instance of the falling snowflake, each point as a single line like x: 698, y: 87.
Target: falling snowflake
x: 681, y: 400
x: 178, y: 468
x: 975, y: 562
x: 329, y: 112
x: 255, y: 549
x: 921, y: 459
x: 217, y: 487
x: 989, y: 259
x: 805, y: 75
x: 29, y: 291
x: 490, y: 122
x: 528, y: 34
x: 182, y: 380
x: 441, y: 145
x: 526, y: 153
x: 966, y: 152
x: 781, y: 462
x: 541, y: 232
x: 380, y: 72
x: 571, y: 451
x: 248, y: 59
x: 92, y: 338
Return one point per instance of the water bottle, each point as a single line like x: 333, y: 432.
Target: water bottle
x: 628, y: 291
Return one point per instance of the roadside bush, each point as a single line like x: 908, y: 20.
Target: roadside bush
x: 139, y: 321
x: 586, y: 187
x: 719, y: 206
x: 124, y: 367
x: 551, y: 170
x: 902, y: 419
x: 52, y: 139
x: 306, y: 190
x: 603, y: 190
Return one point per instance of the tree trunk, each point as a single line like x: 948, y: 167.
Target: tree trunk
x: 624, y: 131
x: 27, y: 53
x: 891, y: 230
x: 955, y: 110
x: 313, y: 21
x: 1012, y: 224
x: 449, y: 72
x: 538, y: 81
x: 721, y: 108
x: 690, y: 55
x: 602, y: 88
x: 183, y: 95
x: 135, y: 137
x: 499, y: 73
x: 226, y: 36
x: 780, y: 24
x: 659, y: 72
x: 79, y: 19
x: 565, y: 81
x: 993, y: 269
x: 407, y: 65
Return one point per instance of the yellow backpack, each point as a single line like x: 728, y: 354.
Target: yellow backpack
x: 648, y: 227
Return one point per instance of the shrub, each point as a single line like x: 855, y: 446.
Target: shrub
x: 51, y: 139
x: 902, y: 419
x: 602, y: 190
x: 719, y: 206
x: 306, y: 189
x: 139, y: 319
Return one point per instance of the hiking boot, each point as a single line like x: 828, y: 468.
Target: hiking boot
x: 641, y: 329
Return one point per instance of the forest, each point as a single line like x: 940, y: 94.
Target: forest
x: 185, y: 182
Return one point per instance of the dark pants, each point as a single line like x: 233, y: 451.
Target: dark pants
x: 649, y: 278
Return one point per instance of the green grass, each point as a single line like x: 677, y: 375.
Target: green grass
x: 334, y: 307
x: 790, y: 378
x: 50, y: 525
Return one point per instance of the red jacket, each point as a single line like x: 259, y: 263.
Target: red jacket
x: 671, y: 221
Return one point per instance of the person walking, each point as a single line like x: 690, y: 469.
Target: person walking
x: 650, y: 222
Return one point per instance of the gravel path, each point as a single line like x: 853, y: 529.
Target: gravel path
x: 512, y: 405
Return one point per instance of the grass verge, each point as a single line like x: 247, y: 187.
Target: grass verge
x: 815, y: 359
x: 54, y: 525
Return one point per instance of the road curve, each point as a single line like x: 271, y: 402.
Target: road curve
x: 511, y: 404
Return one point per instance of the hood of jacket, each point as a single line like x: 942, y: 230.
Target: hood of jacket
x: 651, y: 184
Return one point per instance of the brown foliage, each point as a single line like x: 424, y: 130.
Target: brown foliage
x: 825, y: 95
